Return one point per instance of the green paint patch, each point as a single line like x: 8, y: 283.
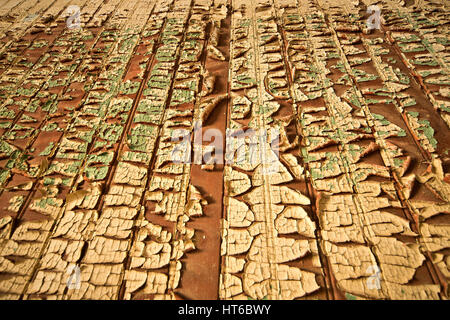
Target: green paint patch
x: 349, y: 296
x: 47, y: 149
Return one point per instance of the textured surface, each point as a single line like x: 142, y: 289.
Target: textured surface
x: 351, y: 201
